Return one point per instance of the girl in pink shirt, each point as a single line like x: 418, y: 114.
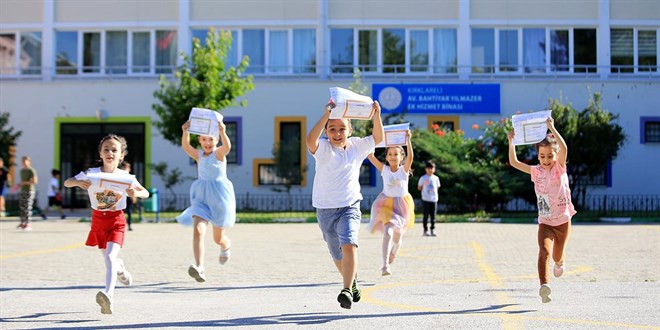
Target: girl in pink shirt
x: 553, y: 196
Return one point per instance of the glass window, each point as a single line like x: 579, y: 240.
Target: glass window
x: 341, y: 50
x: 650, y: 129
x: 30, y: 53
x: 141, y: 57
x: 8, y: 53
x: 559, y: 50
x: 268, y: 175
x: 66, y: 52
x: 621, y: 50
x: 232, y: 56
x: 201, y: 35
x: 394, y: 50
x: 166, y: 51
x: 232, y: 129
x: 483, y: 50
x: 365, y: 174
x: 253, y: 47
x: 368, y: 50
x: 445, y: 58
x: 278, y: 51
x: 419, y: 50
x: 116, y: 52
x: 91, y: 52
x: 584, y: 50
x: 647, y: 48
x: 534, y: 50
x: 508, y: 50
x: 304, y: 51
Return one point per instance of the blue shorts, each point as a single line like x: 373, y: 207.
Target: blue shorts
x: 339, y: 227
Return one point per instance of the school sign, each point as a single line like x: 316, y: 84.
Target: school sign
x: 438, y: 98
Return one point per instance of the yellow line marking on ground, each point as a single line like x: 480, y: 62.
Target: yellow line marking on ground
x: 509, y: 321
x: 55, y: 250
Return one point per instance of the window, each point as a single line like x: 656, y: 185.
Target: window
x: 91, y: 52
x: 445, y: 58
x: 621, y: 49
x: 483, y: 50
x: 368, y: 50
x: 508, y: 53
x: 232, y: 54
x: 419, y: 51
x: 367, y: 174
x: 278, y: 51
x: 449, y: 123
x: 304, y: 51
x: 341, y: 52
x: 649, y: 130
x: 584, y: 53
x: 116, y: 52
x: 394, y: 50
x: 234, y: 131
x: 559, y: 50
x: 20, y: 53
x: 253, y: 47
x: 267, y: 175
x: 66, y: 52
x: 647, y: 44
x: 534, y: 50
x: 166, y: 51
x: 289, y: 139
x: 141, y: 52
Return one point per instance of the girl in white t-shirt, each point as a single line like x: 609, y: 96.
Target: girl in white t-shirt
x: 393, y: 211
x: 108, y: 188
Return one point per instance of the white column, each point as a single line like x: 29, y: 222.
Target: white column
x: 323, y: 30
x: 48, y: 41
x: 603, y: 39
x: 183, y: 33
x: 464, y: 41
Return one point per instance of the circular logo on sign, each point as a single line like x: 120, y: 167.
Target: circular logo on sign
x: 389, y: 98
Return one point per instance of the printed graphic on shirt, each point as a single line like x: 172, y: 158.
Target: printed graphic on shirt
x: 544, y: 205
x: 108, y: 199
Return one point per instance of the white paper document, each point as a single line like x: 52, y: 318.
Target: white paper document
x: 395, y: 135
x: 107, y: 191
x: 530, y: 128
x: 350, y: 105
x: 204, y: 122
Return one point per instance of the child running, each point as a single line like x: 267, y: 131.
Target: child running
x: 211, y: 197
x: 336, y: 192
x: 554, y: 202
x: 393, y: 211
x: 108, y: 222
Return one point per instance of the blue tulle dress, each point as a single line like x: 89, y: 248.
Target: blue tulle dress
x: 211, y: 195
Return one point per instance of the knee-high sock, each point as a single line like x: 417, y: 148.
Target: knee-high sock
x: 111, y: 266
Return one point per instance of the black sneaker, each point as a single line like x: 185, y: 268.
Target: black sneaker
x: 345, y: 298
x: 355, y: 291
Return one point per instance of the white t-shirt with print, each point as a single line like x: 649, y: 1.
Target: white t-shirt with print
x: 106, y: 200
x: 395, y: 184
x: 430, y: 185
x: 336, y: 182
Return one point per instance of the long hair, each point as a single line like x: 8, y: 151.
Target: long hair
x: 402, y: 150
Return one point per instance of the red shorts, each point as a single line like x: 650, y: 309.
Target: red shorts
x: 107, y: 226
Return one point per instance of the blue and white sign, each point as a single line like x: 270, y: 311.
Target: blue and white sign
x: 438, y: 98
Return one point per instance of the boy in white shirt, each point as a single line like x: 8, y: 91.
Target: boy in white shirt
x: 336, y: 192
x: 429, y: 184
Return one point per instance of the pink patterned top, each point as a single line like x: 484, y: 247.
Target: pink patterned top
x: 553, y: 194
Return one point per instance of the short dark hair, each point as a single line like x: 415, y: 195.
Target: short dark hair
x: 429, y: 164
x: 55, y: 172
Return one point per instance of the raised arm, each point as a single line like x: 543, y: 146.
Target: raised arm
x: 225, y: 148
x: 563, y: 148
x: 409, y: 160
x: 185, y: 141
x: 513, y: 158
x: 314, y: 134
x: 378, y: 131
x: 376, y: 162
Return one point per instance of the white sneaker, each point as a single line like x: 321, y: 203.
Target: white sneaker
x: 105, y: 302
x: 123, y: 275
x: 559, y: 269
x: 544, y: 292
x: 197, y: 273
x: 386, y: 271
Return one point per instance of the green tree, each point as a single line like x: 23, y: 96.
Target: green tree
x: 286, y: 157
x: 170, y: 178
x: 8, y: 137
x: 204, y: 80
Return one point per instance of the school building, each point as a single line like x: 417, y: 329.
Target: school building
x: 72, y: 71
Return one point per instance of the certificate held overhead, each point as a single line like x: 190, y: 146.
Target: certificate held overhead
x: 350, y: 105
x: 530, y: 128
x: 204, y: 122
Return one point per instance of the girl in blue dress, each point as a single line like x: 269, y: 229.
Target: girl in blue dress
x: 211, y: 197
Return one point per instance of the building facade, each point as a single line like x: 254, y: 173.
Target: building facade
x: 72, y: 71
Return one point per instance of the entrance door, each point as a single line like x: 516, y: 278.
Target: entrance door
x: 79, y: 145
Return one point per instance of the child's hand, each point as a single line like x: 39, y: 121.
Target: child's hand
x: 375, y: 107
x: 331, y: 105
x: 510, y: 135
x: 550, y: 122
x: 130, y: 192
x: 408, y: 135
x: 84, y: 184
x: 221, y: 126
x: 185, y: 126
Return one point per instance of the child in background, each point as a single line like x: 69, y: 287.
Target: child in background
x: 211, y: 197
x: 429, y: 184
x: 393, y: 211
x: 128, y: 211
x: 554, y: 199
x: 29, y: 180
x: 5, y: 181
x: 54, y: 194
x: 336, y: 192
x: 108, y: 222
